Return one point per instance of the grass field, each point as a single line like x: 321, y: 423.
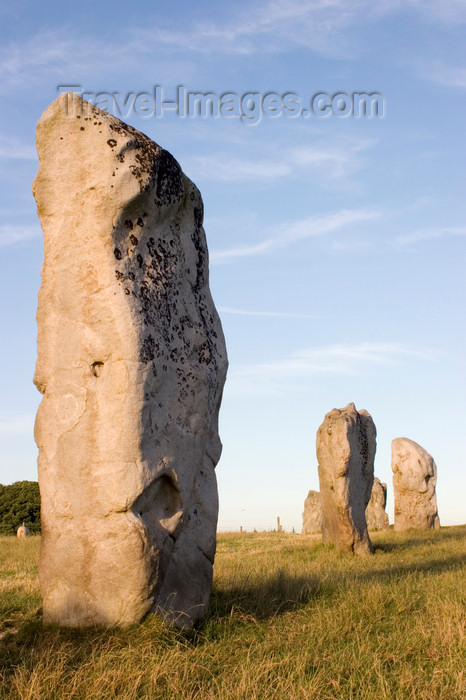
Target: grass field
x: 289, y: 618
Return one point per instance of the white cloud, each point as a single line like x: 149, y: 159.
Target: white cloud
x: 290, y: 232
x: 12, y: 423
x: 335, y: 163
x: 10, y: 235
x: 327, y: 27
x: 61, y: 57
x: 447, y: 76
x: 270, y: 27
x: 268, y: 314
x: 293, y: 372
x: 11, y: 148
x: 429, y: 234
x: 322, y: 26
x: 234, y: 169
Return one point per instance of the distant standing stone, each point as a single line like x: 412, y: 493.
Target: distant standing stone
x: 23, y: 531
x: 312, y: 515
x: 376, y: 517
x: 414, y: 481
x: 131, y: 364
x: 345, y: 453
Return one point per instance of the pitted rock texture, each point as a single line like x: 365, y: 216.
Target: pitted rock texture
x: 312, y: 515
x: 376, y: 517
x: 414, y: 481
x: 131, y: 364
x: 345, y: 453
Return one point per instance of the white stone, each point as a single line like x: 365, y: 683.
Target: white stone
x: 345, y: 453
x: 312, y: 515
x: 131, y: 364
x: 414, y: 481
x: 376, y: 517
x: 23, y: 531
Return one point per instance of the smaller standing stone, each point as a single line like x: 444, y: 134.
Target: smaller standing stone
x: 23, y: 531
x: 376, y: 517
x: 312, y: 516
x: 345, y: 453
x: 414, y: 480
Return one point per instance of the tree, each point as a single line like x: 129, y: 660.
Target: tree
x: 19, y: 502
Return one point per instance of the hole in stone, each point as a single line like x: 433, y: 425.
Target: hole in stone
x: 159, y: 505
x: 96, y: 368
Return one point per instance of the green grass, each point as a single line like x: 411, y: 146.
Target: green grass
x: 289, y: 618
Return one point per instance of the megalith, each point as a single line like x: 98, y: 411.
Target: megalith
x: 414, y: 480
x: 131, y: 364
x: 23, y: 531
x: 376, y: 517
x: 312, y: 515
x: 345, y: 453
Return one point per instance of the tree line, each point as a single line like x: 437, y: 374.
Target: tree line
x: 19, y: 503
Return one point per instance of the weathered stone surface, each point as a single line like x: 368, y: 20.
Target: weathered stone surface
x: 131, y: 364
x: 414, y: 480
x: 23, y: 531
x: 312, y: 515
x: 345, y: 453
x: 376, y: 517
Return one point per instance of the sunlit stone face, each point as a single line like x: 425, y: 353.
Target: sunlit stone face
x: 131, y: 364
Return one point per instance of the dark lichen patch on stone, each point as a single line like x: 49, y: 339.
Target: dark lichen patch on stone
x: 171, y: 308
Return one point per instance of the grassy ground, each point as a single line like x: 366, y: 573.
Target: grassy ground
x: 289, y: 618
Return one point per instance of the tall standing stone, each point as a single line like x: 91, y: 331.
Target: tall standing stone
x: 414, y: 480
x: 131, y: 365
x: 376, y: 517
x: 312, y: 515
x: 345, y: 453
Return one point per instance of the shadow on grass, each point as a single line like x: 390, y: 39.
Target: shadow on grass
x: 430, y: 566
x: 266, y: 598
x: 421, y: 539
x: 23, y: 637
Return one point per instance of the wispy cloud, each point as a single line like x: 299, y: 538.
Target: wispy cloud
x: 286, y: 233
x: 293, y: 372
x: 322, y: 26
x: 431, y: 233
x: 230, y: 168
x: 337, y: 162
x: 11, y: 148
x: 13, y: 423
x: 331, y: 28
x: 268, y: 314
x: 447, y: 76
x: 48, y: 57
x: 9, y: 235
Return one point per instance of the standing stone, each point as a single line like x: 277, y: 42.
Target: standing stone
x: 131, y: 365
x: 23, y: 531
x: 345, y: 452
x: 376, y: 517
x: 312, y: 516
x: 414, y: 480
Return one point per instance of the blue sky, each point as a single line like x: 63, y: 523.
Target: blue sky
x: 337, y: 244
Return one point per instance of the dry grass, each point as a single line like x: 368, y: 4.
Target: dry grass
x: 289, y: 618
